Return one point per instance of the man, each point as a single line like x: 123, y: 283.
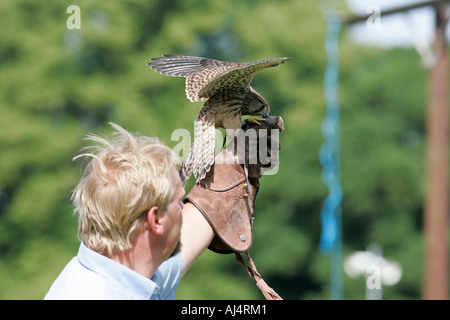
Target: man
x: 137, y: 237
x: 131, y: 218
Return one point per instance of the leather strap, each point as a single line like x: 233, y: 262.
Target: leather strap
x: 267, y: 291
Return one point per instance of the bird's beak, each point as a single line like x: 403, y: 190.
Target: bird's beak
x: 265, y: 115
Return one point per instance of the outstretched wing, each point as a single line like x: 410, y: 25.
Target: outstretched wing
x: 205, y: 77
x: 201, y: 155
x: 198, y: 71
x: 238, y: 78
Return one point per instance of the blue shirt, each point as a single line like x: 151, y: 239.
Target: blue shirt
x: 91, y: 275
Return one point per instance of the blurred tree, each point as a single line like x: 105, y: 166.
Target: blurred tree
x: 57, y: 85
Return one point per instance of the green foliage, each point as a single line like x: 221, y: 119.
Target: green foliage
x: 57, y: 85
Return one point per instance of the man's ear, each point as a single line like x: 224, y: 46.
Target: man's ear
x: 155, y: 219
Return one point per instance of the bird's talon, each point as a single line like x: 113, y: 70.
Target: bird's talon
x: 256, y: 120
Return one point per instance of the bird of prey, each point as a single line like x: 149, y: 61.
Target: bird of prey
x: 226, y: 88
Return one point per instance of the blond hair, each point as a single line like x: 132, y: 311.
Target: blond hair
x: 122, y: 181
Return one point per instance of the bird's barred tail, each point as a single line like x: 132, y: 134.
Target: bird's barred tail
x: 186, y: 169
x: 201, y: 156
x: 196, y: 163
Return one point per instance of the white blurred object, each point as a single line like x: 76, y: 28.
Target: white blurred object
x: 376, y: 269
x: 358, y: 263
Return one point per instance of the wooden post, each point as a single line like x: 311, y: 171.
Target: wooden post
x: 436, y: 206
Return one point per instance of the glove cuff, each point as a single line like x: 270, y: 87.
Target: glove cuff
x: 226, y: 199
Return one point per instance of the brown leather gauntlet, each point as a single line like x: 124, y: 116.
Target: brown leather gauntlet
x: 226, y: 199
x: 226, y: 196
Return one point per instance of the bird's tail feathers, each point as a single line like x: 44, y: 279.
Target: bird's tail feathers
x: 201, y: 155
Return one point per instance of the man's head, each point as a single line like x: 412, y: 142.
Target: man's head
x: 123, y: 180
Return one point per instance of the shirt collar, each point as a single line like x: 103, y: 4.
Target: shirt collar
x: 129, y: 281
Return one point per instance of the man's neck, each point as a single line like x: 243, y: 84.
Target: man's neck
x: 138, y: 259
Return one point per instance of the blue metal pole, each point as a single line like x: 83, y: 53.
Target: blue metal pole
x: 331, y: 238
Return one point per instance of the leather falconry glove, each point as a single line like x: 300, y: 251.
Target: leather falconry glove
x: 226, y: 196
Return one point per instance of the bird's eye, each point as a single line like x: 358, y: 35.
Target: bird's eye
x: 262, y: 107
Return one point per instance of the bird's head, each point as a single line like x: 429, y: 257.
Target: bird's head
x: 255, y: 105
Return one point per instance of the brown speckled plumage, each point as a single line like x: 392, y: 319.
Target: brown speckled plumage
x: 226, y: 87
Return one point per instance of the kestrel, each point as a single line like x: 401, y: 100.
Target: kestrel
x: 226, y: 87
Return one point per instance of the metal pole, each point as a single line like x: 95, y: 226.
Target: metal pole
x: 363, y: 18
x: 329, y: 155
x: 436, y: 206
